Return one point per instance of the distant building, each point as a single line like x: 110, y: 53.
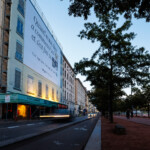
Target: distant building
x: 68, y: 85
x: 86, y: 101
x: 80, y: 97
x: 91, y: 108
x: 31, y: 62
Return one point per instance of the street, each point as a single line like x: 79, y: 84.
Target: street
x: 71, y: 138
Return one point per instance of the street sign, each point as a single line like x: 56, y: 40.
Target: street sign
x: 7, y: 98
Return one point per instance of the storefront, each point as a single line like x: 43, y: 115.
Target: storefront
x: 19, y: 106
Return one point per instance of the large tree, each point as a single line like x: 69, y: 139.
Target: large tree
x: 128, y: 8
x: 123, y: 63
x: 126, y: 65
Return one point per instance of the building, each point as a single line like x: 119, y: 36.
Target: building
x: 86, y: 101
x: 31, y: 62
x: 68, y: 84
x: 80, y: 97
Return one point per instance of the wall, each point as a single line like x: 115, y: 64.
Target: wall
x: 80, y: 95
x: 68, y: 84
x: 1, y: 29
x: 25, y: 70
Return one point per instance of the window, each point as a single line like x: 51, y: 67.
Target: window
x: 65, y: 83
x: 61, y: 97
x: 30, y: 85
x: 17, y: 79
x: 18, y: 55
x: 57, y: 95
x: 21, y: 6
x: 20, y: 27
x: 39, y: 89
x: 46, y: 91
x: 65, y: 95
x: 52, y: 93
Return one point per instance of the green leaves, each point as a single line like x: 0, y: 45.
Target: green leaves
x: 127, y: 8
x: 116, y: 64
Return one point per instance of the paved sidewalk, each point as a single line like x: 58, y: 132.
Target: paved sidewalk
x: 145, y: 121
x: 94, y: 142
x: 136, y: 137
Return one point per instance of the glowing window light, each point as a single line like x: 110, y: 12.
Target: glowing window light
x: 22, y: 110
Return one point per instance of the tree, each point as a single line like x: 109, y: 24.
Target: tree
x: 125, y: 64
x: 122, y: 62
x: 146, y: 94
x: 128, y: 8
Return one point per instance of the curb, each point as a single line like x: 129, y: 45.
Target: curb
x: 94, y: 141
x: 47, y: 131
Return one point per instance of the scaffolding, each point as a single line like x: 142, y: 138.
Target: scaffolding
x: 4, y: 42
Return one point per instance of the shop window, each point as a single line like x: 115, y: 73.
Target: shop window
x: 39, y: 89
x: 20, y: 27
x: 21, y: 6
x: 18, y: 55
x: 17, y: 79
x: 30, y: 85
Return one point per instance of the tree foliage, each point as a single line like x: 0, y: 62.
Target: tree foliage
x: 128, y: 8
x: 116, y: 64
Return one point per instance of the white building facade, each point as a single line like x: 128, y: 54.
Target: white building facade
x: 81, y: 97
x: 68, y: 85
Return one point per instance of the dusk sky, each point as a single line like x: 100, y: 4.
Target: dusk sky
x: 66, y: 28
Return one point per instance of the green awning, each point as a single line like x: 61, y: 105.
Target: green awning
x: 25, y: 99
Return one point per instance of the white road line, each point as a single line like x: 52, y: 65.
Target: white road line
x: 12, y: 127
x: 57, y: 143
x: 30, y: 124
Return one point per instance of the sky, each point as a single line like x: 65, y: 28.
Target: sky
x: 67, y: 28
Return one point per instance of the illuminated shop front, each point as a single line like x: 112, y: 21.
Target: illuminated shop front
x: 19, y: 106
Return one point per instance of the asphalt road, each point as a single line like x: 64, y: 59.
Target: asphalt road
x: 19, y: 130
x: 16, y: 130
x: 71, y: 138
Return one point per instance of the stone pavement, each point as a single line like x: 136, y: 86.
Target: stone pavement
x: 94, y: 142
x: 145, y: 121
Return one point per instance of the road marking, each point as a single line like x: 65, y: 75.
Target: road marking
x: 57, y: 143
x: 82, y: 129
x: 30, y: 124
x: 12, y: 127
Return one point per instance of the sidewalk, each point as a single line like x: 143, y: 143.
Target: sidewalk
x: 136, y: 137
x: 94, y: 142
x: 145, y: 121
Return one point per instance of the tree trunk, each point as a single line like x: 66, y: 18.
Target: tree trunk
x: 110, y: 103
x: 148, y: 111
